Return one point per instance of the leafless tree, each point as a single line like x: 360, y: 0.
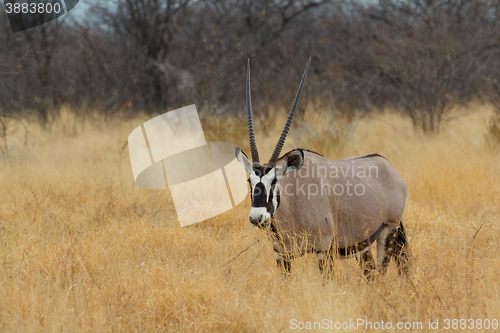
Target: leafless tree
x: 151, y: 25
x: 420, y: 57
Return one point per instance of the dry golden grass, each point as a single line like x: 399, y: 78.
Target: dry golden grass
x: 84, y: 249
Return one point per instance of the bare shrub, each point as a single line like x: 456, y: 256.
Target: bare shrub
x: 493, y: 96
x: 10, y: 125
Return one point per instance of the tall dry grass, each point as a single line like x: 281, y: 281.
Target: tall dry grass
x: 84, y: 249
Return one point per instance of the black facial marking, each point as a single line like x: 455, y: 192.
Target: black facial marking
x: 267, y: 169
x: 258, y: 194
x: 270, y: 206
x: 261, y: 171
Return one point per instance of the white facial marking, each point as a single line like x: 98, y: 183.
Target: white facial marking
x: 275, y: 198
x: 254, y: 179
x: 258, y: 212
x: 267, y: 180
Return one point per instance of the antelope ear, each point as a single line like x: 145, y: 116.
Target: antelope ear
x: 243, y: 159
x: 293, y: 162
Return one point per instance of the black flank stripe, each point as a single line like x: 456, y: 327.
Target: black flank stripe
x: 360, y: 246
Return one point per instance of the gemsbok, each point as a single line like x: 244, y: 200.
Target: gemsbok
x: 331, y: 208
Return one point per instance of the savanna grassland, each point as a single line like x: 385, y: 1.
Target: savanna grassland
x: 84, y: 249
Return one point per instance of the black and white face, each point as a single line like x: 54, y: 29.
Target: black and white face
x: 264, y: 194
x: 264, y: 185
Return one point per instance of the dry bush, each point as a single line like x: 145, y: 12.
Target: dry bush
x: 84, y: 249
x: 11, y: 125
x: 493, y: 135
x: 493, y: 96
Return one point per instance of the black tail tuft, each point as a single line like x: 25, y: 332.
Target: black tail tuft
x: 400, y: 252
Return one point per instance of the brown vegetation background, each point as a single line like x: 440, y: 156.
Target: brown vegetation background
x: 419, y: 57
x: 82, y: 248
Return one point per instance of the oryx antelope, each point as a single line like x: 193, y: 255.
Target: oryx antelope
x: 332, y: 208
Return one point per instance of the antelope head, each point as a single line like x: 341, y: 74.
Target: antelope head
x: 263, y: 179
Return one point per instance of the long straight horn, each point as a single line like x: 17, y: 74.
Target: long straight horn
x: 251, y: 133
x: 282, y: 139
